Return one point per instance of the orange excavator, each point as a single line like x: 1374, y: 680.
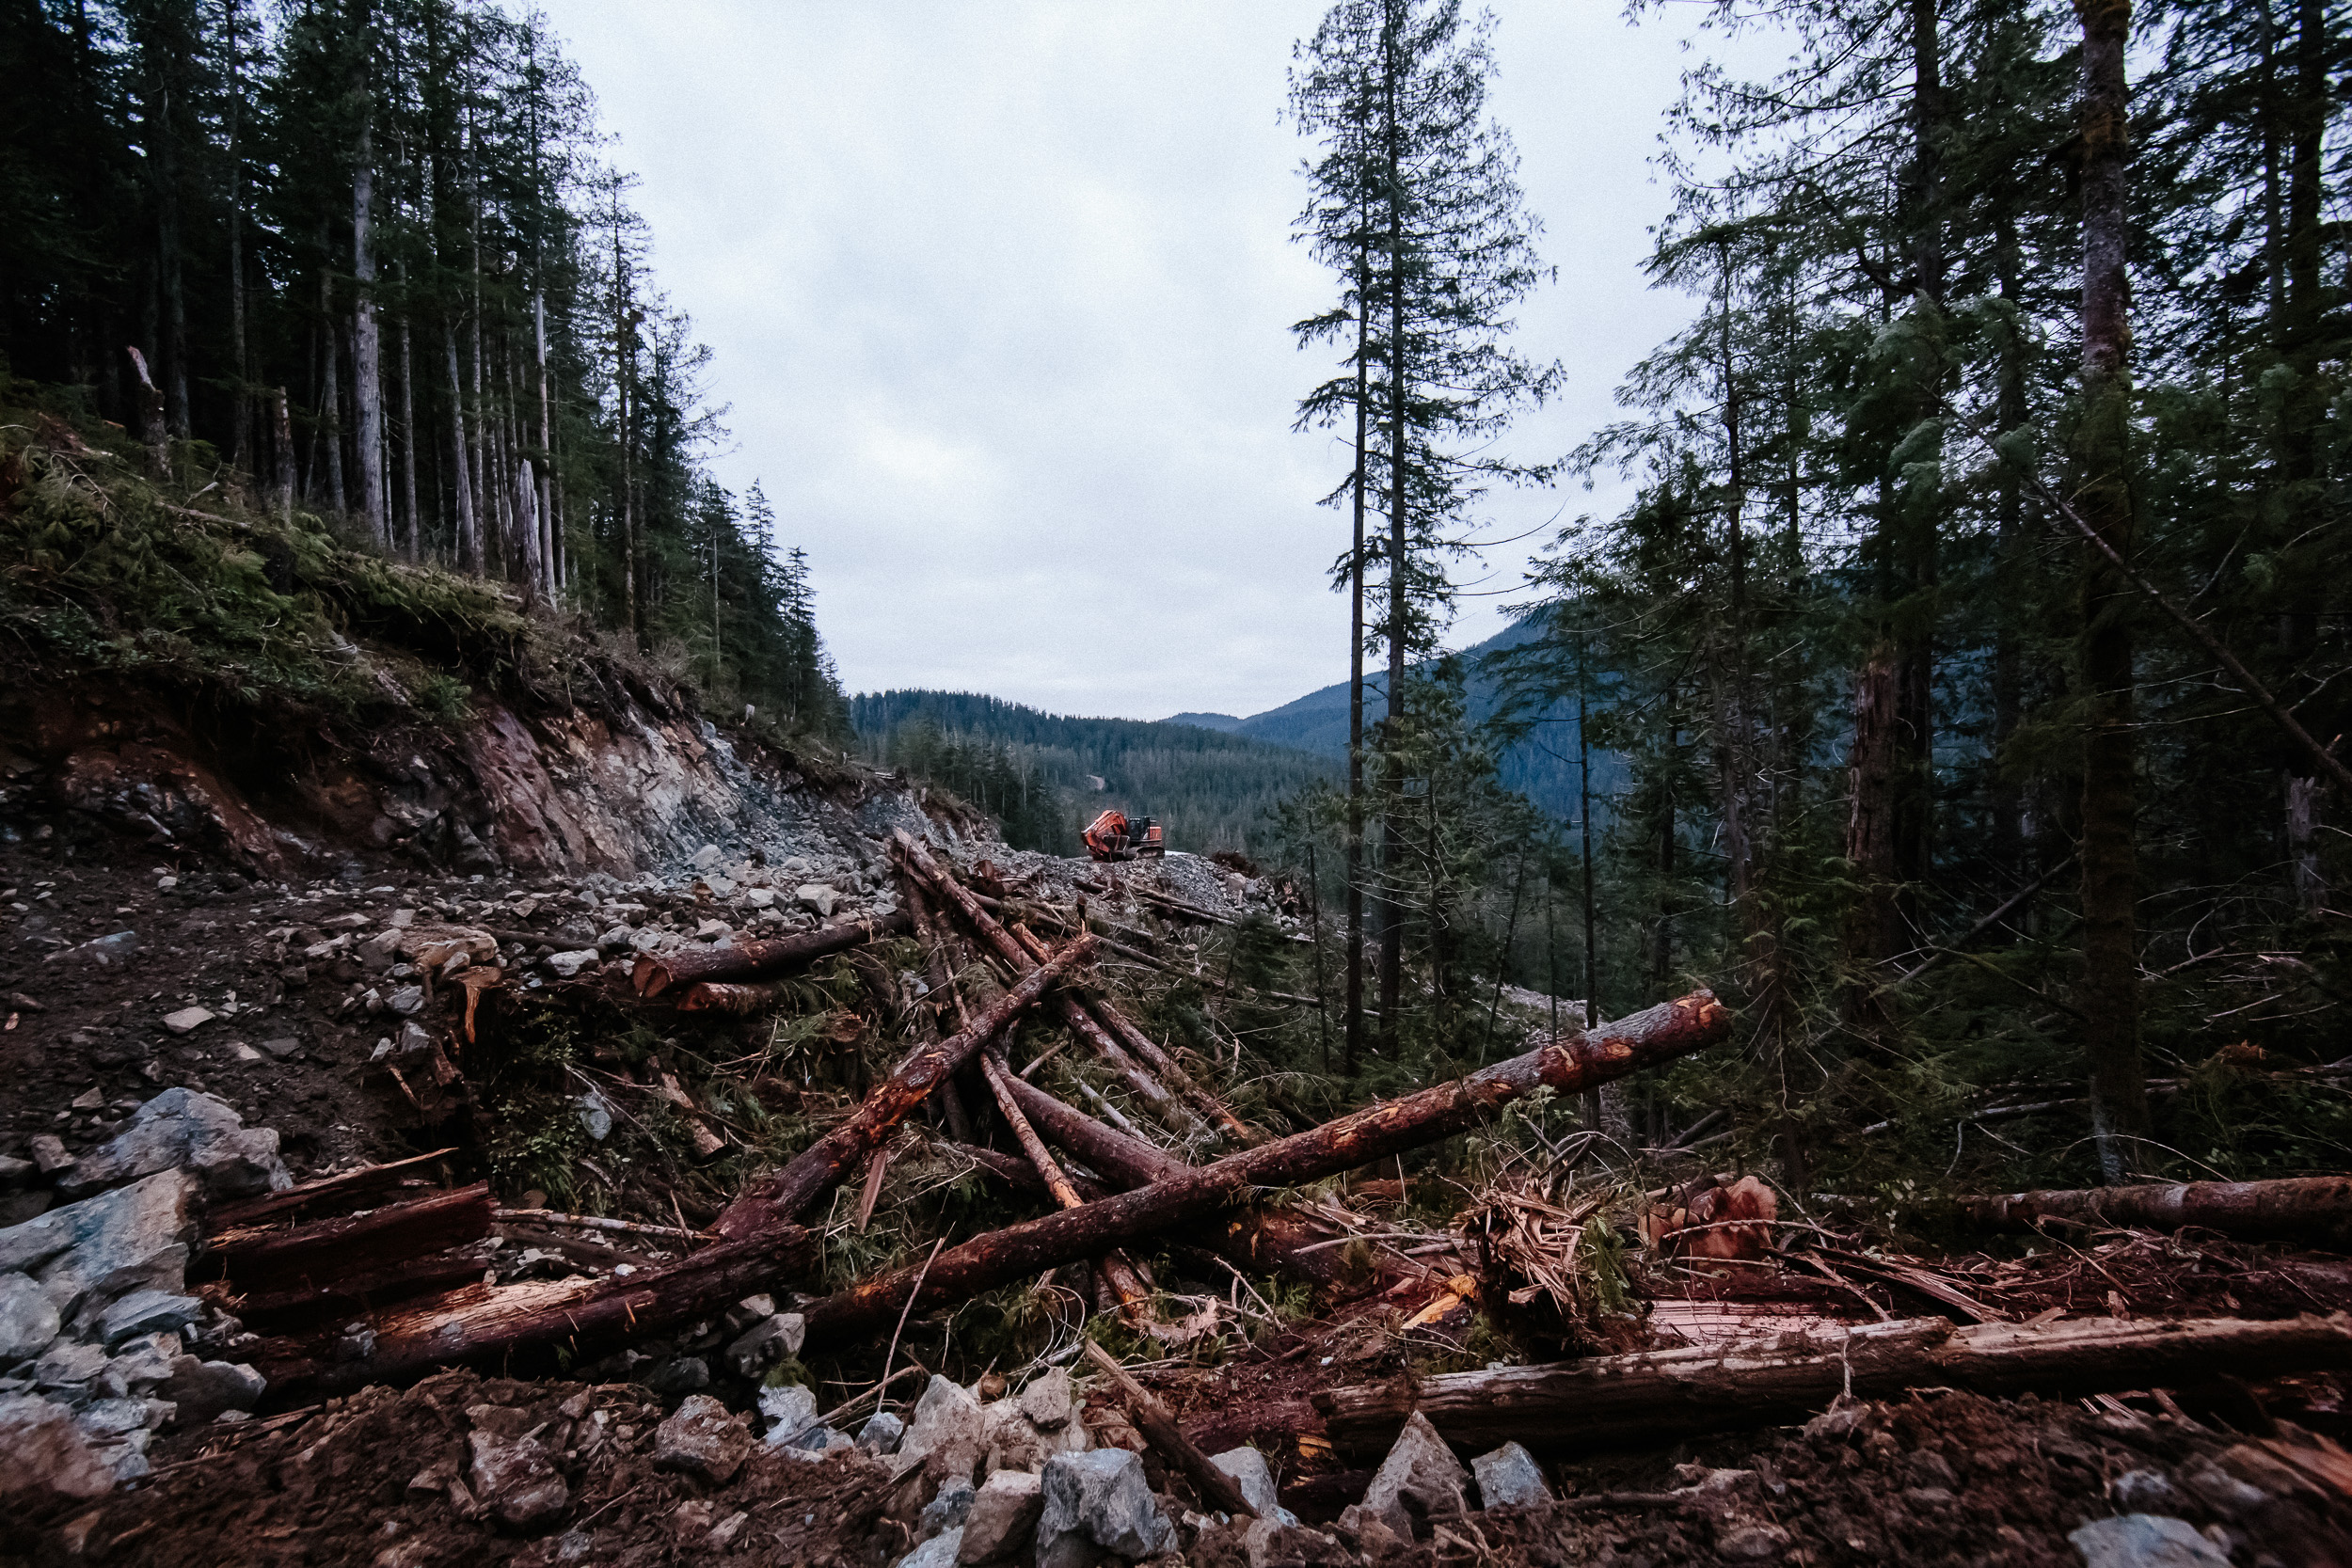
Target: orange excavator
x: 1117, y: 836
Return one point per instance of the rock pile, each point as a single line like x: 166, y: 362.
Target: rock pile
x: 100, y: 1348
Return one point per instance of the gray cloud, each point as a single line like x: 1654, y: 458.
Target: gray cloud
x: 999, y: 295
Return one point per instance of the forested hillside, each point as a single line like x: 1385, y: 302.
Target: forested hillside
x: 361, y: 260
x: 1045, y: 776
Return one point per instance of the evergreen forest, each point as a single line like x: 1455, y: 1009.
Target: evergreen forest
x: 358, y: 262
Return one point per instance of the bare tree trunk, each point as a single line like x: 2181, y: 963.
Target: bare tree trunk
x: 413, y: 523
x: 2111, y: 872
x: 367, y: 349
x: 330, y: 388
x: 283, y: 428
x: 1875, y: 931
x: 468, y: 541
x: 2315, y: 1210
x: 241, y: 442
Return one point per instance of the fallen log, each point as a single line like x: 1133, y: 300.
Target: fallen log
x: 319, y: 1255
x: 1568, y: 1065
x: 781, y: 1197
x: 1653, y: 1398
x: 530, y: 1329
x: 1020, y: 1177
x: 949, y: 1097
x: 346, y: 1191
x: 1216, y: 1489
x: 742, y: 998
x: 1072, y: 1011
x: 304, y: 1306
x: 2316, y: 1210
x: 1118, y: 1275
x: 657, y: 972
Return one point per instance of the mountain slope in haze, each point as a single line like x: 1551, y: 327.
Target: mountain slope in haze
x: 1543, y: 767
x: 1045, y: 775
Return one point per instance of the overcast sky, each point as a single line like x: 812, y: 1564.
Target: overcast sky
x: 999, y: 295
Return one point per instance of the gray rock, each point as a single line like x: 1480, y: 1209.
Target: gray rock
x: 2221, y: 1491
x: 89, y: 1252
x: 746, y: 1312
x: 819, y: 899
x: 595, y: 1115
x: 48, y: 1456
x: 1012, y: 1443
x: 188, y: 1019
x: 949, y: 1508
x: 947, y: 1434
x: 181, y: 1127
x: 1510, y: 1477
x: 108, y: 1421
x: 1003, y: 1516
x: 881, y: 1433
x: 412, y: 1039
x: 2145, y: 1492
x: 705, y: 1439
x: 1420, y: 1478
x: 2145, y: 1541
x: 285, y: 1048
x: 147, y: 1311
x: 143, y: 1362
x: 774, y: 1339
x: 203, y: 1389
x: 789, y: 1409
x: 48, y: 1152
x: 69, y: 1366
x: 1249, y: 1466
x: 1097, y: 1502
x: 938, y: 1552
x: 681, y: 1375
x: 407, y: 1001
x: 1049, y: 1400
x: 116, y: 948
x: 516, y: 1479
x: 29, y: 1318
x: 706, y: 857
x: 567, y: 965
x: 15, y: 1173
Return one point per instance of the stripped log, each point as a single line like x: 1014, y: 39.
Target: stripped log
x: 2316, y: 1210
x: 318, y: 1255
x: 1118, y: 1275
x: 783, y: 1196
x: 1021, y: 1177
x: 341, y: 1193
x: 1216, y: 1489
x: 749, y: 960
x: 1613, y: 1402
x: 927, y: 934
x: 302, y: 1306
x: 1070, y: 1010
x: 1568, y: 1065
x: 533, y: 1329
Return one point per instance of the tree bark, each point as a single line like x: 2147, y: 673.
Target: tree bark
x: 352, y: 1189
x: 2118, y: 1096
x: 468, y: 541
x: 1568, y: 1067
x: 1653, y: 1398
x: 746, y: 960
x: 779, y: 1198
x: 367, y: 349
x: 1118, y: 1275
x: 318, y: 1254
x: 533, y: 1329
x: 2313, y: 1210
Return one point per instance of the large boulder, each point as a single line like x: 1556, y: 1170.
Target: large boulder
x: 48, y: 1455
x: 183, y: 1126
x: 1097, y: 1502
x: 1420, y: 1480
x: 89, y: 1252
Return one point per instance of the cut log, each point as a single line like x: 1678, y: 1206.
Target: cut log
x: 742, y: 998
x: 779, y: 1198
x: 1129, y: 1162
x: 1070, y: 1010
x: 353, y: 1189
x: 1615, y: 1401
x: 1118, y: 1275
x: 531, y: 1329
x: 750, y: 961
x: 949, y: 1097
x: 300, y: 1307
x: 318, y: 1255
x: 1018, y: 1174
x: 1568, y: 1065
x: 2315, y: 1210
x: 1217, y: 1490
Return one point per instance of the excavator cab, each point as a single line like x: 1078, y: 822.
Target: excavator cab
x: 1116, y: 836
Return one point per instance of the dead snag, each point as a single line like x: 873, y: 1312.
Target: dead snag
x: 1569, y: 1065
x: 2316, y: 1210
x: 779, y: 1198
x: 322, y: 1253
x: 1118, y: 1275
x: 1663, y: 1396
x: 656, y: 973
x: 1216, y: 1489
x: 529, y: 1329
x: 1072, y: 1011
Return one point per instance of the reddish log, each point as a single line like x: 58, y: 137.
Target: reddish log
x: 2316, y: 1210
x: 318, y: 1255
x: 1118, y: 1275
x: 721, y: 996
x: 748, y: 960
x: 1568, y: 1065
x: 779, y: 1198
x: 349, y: 1190
x: 350, y: 1295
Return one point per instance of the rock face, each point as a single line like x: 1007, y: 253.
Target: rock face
x: 1003, y: 1516
x: 181, y: 1127
x: 46, y: 1455
x: 517, y: 1479
x: 1510, y: 1477
x: 705, y: 1439
x: 1420, y: 1479
x: 1099, y: 1502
